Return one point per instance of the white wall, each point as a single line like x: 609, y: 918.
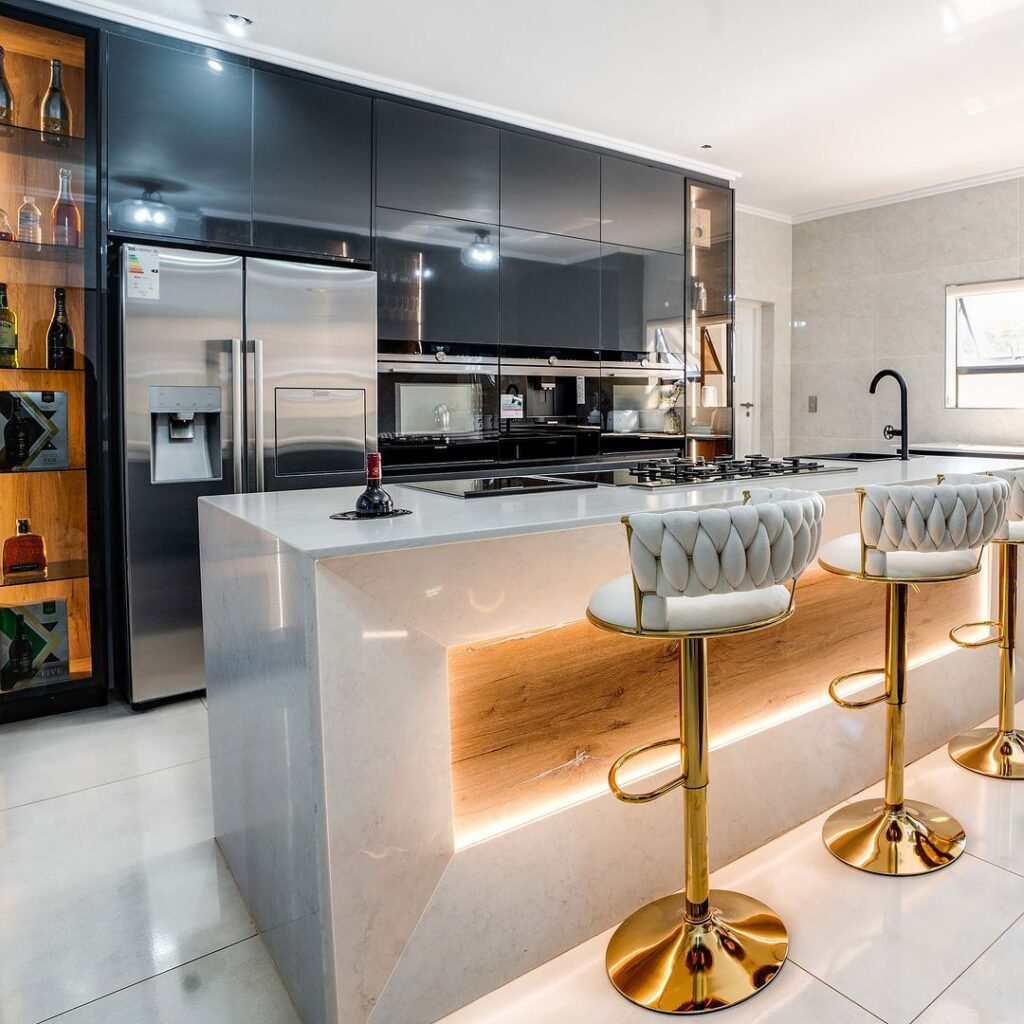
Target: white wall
x: 869, y: 292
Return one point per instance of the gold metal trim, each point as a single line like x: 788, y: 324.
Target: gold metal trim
x: 914, y: 581
x: 653, y: 794
x: 971, y: 644
x: 856, y: 705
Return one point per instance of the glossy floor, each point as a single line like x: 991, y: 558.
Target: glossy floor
x: 116, y: 907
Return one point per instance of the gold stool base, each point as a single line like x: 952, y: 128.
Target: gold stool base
x: 911, y: 841
x: 658, y: 959
x: 990, y: 752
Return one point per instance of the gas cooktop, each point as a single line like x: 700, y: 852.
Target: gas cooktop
x: 653, y: 474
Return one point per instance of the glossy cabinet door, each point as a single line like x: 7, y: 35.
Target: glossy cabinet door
x: 643, y: 303
x: 710, y: 226
x: 311, y: 167
x: 434, y: 292
x: 550, y: 296
x: 179, y: 133
x: 642, y: 206
x: 435, y: 163
x: 548, y: 186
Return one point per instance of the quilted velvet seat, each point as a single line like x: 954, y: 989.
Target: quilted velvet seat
x: 998, y: 752
x: 696, y: 574
x: 908, y: 535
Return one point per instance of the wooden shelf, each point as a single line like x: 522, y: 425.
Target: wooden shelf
x: 75, y: 569
x: 54, y: 503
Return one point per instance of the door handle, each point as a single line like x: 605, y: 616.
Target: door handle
x: 257, y: 408
x: 237, y: 416
x: 746, y: 405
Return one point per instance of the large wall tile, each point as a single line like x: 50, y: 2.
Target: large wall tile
x: 834, y: 249
x: 841, y: 386
x: 764, y: 255
x: 835, y: 319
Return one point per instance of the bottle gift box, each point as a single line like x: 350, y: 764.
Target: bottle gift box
x: 33, y: 645
x: 33, y: 430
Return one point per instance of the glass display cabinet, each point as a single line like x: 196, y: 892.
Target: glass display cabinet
x: 710, y: 309
x: 47, y: 313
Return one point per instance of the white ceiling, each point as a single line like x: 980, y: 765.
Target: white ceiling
x: 816, y: 103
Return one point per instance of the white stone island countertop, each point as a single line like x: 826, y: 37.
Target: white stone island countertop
x: 301, y: 519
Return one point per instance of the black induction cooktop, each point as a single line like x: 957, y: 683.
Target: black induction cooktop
x: 495, y: 486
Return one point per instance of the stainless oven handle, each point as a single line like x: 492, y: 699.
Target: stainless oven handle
x: 257, y: 406
x: 540, y: 369
x: 237, y: 412
x: 447, y: 369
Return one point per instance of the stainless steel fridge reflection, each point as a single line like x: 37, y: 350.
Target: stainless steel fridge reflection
x: 239, y: 374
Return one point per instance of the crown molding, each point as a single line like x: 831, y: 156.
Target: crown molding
x: 917, y: 193
x: 134, y: 18
x: 757, y: 211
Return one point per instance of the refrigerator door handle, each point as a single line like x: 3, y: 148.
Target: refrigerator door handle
x: 237, y: 413
x: 257, y: 389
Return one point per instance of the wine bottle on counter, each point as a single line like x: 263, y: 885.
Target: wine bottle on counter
x: 60, y: 338
x: 65, y: 220
x: 6, y: 99
x: 25, y: 551
x: 374, y: 501
x: 55, y: 111
x: 8, y: 333
x: 16, y: 439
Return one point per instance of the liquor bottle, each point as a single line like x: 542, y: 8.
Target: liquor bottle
x: 25, y: 551
x: 19, y: 654
x: 6, y: 100
x: 374, y: 501
x: 8, y: 333
x: 60, y: 338
x: 30, y: 227
x: 16, y: 439
x: 65, y: 220
x: 55, y: 110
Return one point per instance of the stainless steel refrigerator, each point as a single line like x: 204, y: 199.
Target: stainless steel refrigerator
x: 239, y: 374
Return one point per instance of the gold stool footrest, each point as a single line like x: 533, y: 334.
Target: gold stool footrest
x: 856, y: 705
x: 975, y: 625
x: 642, y: 798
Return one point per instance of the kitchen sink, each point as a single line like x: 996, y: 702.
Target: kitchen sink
x: 860, y: 456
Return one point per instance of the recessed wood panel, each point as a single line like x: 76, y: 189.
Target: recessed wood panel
x: 539, y: 719
x: 54, y: 503
x: 72, y: 383
x: 76, y: 593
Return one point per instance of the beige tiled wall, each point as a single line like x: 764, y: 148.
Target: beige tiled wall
x: 764, y: 262
x: 869, y: 292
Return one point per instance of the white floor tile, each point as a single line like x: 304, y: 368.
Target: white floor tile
x: 890, y: 944
x: 47, y: 757
x: 990, y: 992
x: 237, y: 985
x: 106, y: 887
x: 574, y: 989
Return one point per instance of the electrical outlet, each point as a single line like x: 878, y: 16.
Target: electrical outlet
x: 812, y: 403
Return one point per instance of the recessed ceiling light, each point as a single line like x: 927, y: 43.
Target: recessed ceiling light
x: 237, y: 24
x: 706, y: 145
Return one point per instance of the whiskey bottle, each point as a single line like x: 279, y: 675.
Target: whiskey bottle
x: 65, y: 219
x: 6, y: 100
x: 25, y: 551
x: 374, y: 501
x: 8, y: 333
x: 19, y: 654
x: 55, y: 110
x: 60, y: 338
x: 16, y: 439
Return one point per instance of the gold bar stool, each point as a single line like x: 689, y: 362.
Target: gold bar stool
x: 908, y: 536
x: 999, y: 752
x: 700, y: 574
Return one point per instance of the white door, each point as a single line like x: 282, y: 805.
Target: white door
x: 747, y: 385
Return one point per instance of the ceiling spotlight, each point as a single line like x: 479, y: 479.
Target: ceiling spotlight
x: 707, y: 145
x: 237, y: 24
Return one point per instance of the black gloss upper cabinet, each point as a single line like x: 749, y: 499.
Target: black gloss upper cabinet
x: 643, y: 301
x: 642, y: 206
x: 436, y: 163
x: 548, y: 186
x: 437, y: 285
x: 311, y: 167
x: 179, y: 131
x: 550, y: 296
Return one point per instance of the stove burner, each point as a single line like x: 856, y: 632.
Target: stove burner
x: 666, y: 472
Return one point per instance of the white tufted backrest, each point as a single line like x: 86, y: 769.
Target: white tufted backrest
x: 723, y: 550
x: 940, y: 517
x: 1015, y: 479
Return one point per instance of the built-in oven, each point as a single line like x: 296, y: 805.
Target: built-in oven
x: 437, y: 412
x: 643, y: 408
x: 549, y: 410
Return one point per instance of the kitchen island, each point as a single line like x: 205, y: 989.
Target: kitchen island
x: 411, y: 723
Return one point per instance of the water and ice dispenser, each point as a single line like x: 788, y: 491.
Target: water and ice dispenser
x: 185, y: 434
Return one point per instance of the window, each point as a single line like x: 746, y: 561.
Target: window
x: 985, y: 345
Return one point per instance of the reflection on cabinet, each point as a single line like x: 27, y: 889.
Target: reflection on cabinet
x: 710, y: 225
x: 435, y: 163
x: 179, y: 143
x: 548, y: 186
x: 435, y: 287
x: 311, y: 168
x: 642, y: 292
x: 641, y: 206
x: 550, y: 296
